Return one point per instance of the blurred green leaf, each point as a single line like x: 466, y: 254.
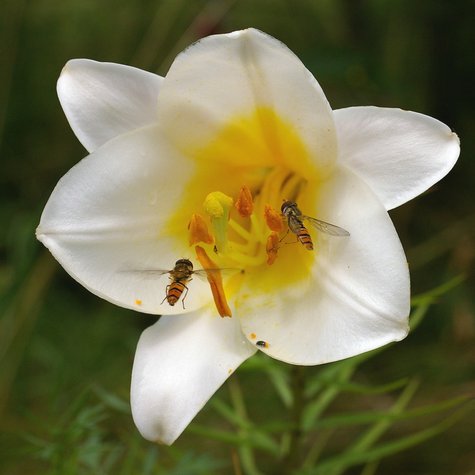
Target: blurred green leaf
x: 280, y: 380
x: 342, y: 462
x: 254, y: 439
x: 112, y: 400
x: 358, y: 418
x: 432, y: 295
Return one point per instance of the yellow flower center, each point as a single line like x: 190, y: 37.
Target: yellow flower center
x: 254, y: 163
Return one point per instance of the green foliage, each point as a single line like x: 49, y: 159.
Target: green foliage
x: 65, y: 356
x: 88, y: 435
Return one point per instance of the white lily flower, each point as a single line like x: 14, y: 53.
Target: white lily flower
x: 237, y: 117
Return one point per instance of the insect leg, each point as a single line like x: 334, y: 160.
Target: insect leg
x: 166, y: 293
x: 184, y: 296
x: 285, y: 235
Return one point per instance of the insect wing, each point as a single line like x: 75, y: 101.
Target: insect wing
x: 325, y: 227
x: 148, y: 272
x: 203, y: 273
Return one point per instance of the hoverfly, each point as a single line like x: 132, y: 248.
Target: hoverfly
x: 180, y: 276
x: 295, y: 220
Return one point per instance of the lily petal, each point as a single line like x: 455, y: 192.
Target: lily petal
x: 398, y: 153
x: 234, y: 76
x: 104, y: 100
x: 107, y: 219
x: 358, y: 299
x: 179, y: 364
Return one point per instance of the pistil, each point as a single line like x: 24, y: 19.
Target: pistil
x: 217, y: 206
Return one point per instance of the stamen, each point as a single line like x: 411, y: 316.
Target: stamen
x: 215, y: 281
x: 273, y: 219
x: 217, y: 206
x: 198, y: 230
x: 272, y: 247
x: 252, y: 260
x: 240, y: 230
x: 244, y: 203
x: 257, y: 228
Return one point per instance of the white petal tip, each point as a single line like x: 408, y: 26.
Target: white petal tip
x: 66, y: 70
x: 455, y: 139
x: 39, y: 233
x: 404, y: 332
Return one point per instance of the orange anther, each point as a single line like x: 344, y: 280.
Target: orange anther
x: 215, y: 281
x: 272, y: 247
x: 199, y: 230
x: 273, y: 219
x: 244, y: 203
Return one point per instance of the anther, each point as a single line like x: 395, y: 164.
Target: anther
x: 273, y: 219
x: 198, y: 230
x: 244, y: 203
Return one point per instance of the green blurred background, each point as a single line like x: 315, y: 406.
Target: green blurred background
x: 66, y: 356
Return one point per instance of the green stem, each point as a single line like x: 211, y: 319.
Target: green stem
x: 19, y: 319
x: 246, y: 453
x: 293, y: 456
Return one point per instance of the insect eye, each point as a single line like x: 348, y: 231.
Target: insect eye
x: 284, y: 205
x: 185, y: 262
